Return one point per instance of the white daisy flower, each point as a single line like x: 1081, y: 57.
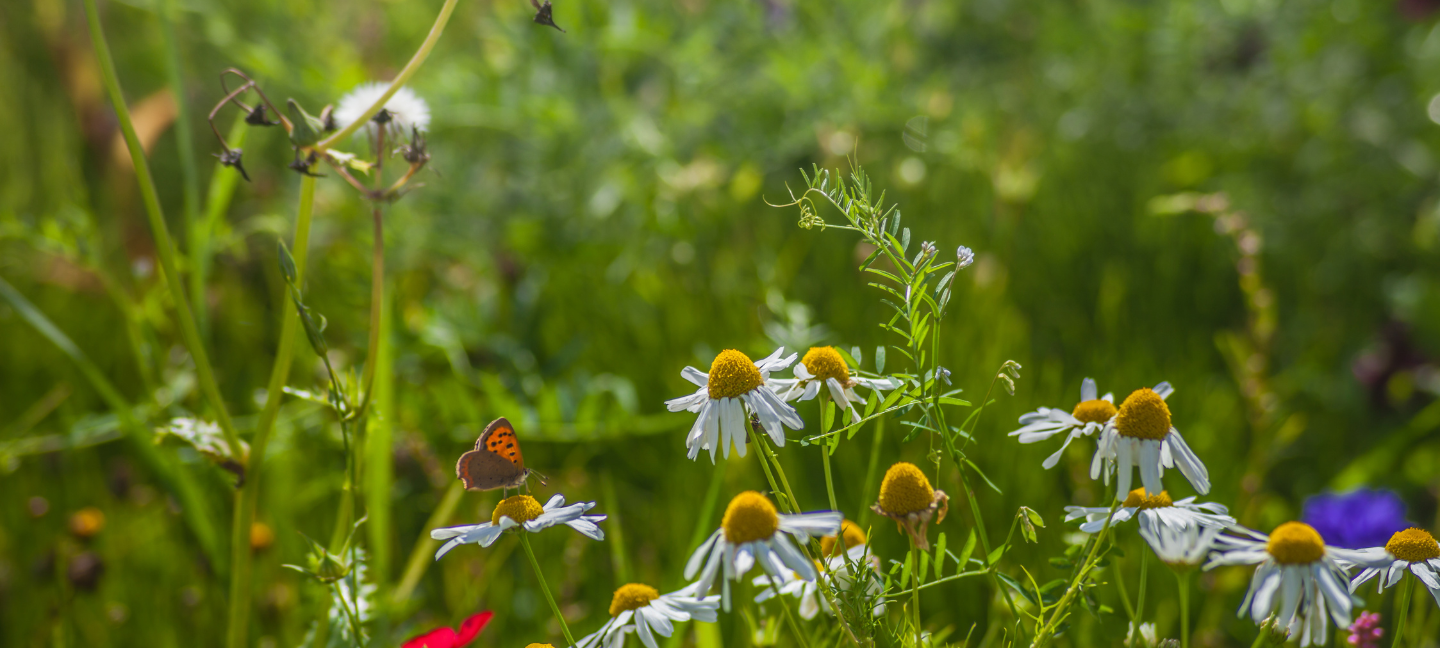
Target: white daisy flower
x: 407, y: 110
x: 1089, y: 416
x: 1181, y: 547
x: 1299, y: 579
x: 525, y: 512
x: 734, y: 386
x: 1413, y: 550
x: 641, y: 609
x: 752, y: 531
x: 843, y: 571
x: 1141, y: 435
x: 825, y: 368
x: 1153, y: 511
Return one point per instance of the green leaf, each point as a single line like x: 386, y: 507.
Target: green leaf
x: 905, y: 573
x: 946, y: 400
x: 940, y: 554
x: 880, y: 359
x: 1029, y: 596
x: 287, y: 264
x: 827, y: 415
x: 872, y: 403
x: 924, y: 566
x: 855, y: 356
x: 982, y: 475
x: 1034, y: 517
x: 967, y: 551
x: 997, y: 554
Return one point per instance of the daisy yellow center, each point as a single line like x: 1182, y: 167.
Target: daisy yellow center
x: 535, y: 645
x: 632, y: 597
x: 1094, y: 411
x: 1413, y: 545
x: 749, y: 517
x: 520, y: 508
x: 732, y: 374
x: 825, y: 362
x: 1295, y: 543
x: 905, y: 490
x: 852, y: 534
x: 1142, y: 499
x: 1143, y: 415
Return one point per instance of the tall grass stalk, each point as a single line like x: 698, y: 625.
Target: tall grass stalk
x: 185, y: 151
x: 1184, y: 578
x: 164, y: 245
x: 1402, y: 611
x: 248, y: 497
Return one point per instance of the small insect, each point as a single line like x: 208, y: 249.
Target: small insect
x: 496, y: 461
x: 542, y: 14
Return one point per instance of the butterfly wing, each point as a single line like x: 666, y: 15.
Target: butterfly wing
x: 495, y: 462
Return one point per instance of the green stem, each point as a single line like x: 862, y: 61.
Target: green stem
x: 164, y: 246
x: 1043, y: 634
x: 185, y: 147
x: 789, y: 616
x: 409, y: 70
x: 915, y: 589
x: 1125, y: 598
x: 248, y: 498
x: 377, y: 301
x: 424, y: 545
x: 1184, y: 578
x: 829, y: 481
x: 872, y: 469
x: 544, y: 588
x: 765, y: 452
x: 1402, y: 611
x: 1140, y: 600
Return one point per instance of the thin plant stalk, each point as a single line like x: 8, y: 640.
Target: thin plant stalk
x: 164, y: 245
x: 248, y: 497
x: 915, y: 590
x: 377, y: 280
x: 789, y: 616
x: 873, y: 469
x: 825, y: 457
x: 409, y: 70
x: 420, y: 559
x: 766, y: 453
x: 1402, y: 611
x: 185, y: 148
x: 1045, y: 632
x: 1184, y: 578
x: 545, y: 588
x: 1139, y: 600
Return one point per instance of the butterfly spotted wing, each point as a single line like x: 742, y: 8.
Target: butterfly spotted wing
x: 496, y: 461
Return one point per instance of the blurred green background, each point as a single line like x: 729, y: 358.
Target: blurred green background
x: 596, y: 219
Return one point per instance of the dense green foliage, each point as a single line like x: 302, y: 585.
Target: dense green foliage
x: 595, y: 218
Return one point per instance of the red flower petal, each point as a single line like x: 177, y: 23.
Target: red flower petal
x: 437, y: 638
x: 471, y: 627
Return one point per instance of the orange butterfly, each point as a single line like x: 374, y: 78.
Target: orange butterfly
x: 496, y: 461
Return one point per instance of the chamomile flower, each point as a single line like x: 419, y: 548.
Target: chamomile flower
x: 734, y: 385
x: 825, y: 368
x: 907, y: 497
x: 1182, y: 548
x: 753, y: 531
x: 843, y: 571
x: 522, y: 511
x: 1413, y: 550
x: 1153, y: 511
x: 643, y: 610
x: 406, y: 110
x: 1089, y: 416
x: 1141, y: 435
x: 1299, y: 579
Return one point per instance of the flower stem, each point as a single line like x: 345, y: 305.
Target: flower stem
x: 248, y: 498
x: 829, y: 481
x: 915, y: 589
x: 164, y: 245
x: 1402, y: 611
x: 1184, y: 578
x: 545, y: 589
x: 789, y: 616
x: 1140, y: 600
x: 409, y: 70
x: 1043, y: 634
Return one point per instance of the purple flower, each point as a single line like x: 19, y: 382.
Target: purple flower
x: 1366, y: 631
x: 1356, y: 520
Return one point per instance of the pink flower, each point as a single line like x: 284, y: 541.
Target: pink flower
x: 446, y: 638
x: 1366, y: 631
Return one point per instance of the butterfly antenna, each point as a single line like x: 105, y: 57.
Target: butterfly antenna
x: 544, y: 481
